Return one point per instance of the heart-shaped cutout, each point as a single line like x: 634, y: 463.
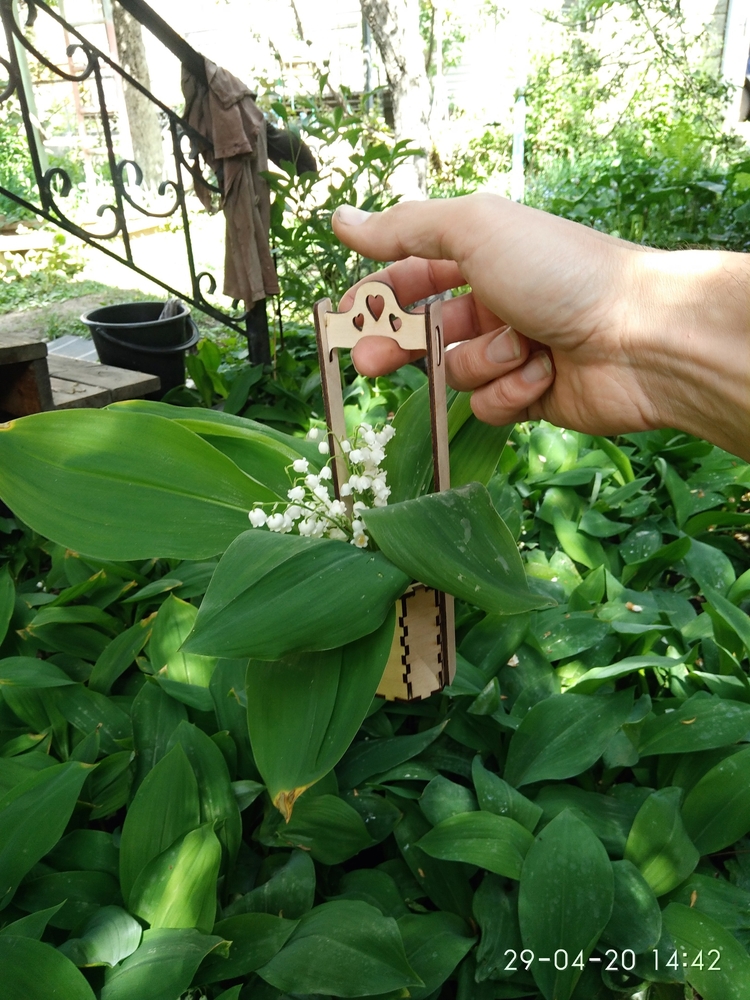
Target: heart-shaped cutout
x: 359, y: 321
x: 395, y: 322
x: 375, y: 305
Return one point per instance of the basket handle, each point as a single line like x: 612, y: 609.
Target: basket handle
x: 169, y: 349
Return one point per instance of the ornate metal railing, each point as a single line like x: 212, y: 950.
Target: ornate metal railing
x: 54, y: 185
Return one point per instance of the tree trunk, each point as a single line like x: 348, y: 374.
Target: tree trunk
x: 395, y: 28
x: 143, y: 120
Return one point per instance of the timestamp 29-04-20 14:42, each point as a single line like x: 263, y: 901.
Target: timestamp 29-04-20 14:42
x: 615, y: 961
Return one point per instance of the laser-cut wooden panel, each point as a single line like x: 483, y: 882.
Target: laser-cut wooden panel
x: 423, y: 654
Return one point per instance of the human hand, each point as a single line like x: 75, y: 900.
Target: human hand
x: 562, y: 322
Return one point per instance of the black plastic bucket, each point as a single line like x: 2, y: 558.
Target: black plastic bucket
x: 132, y: 336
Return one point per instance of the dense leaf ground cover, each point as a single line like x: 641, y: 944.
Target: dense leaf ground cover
x: 566, y: 820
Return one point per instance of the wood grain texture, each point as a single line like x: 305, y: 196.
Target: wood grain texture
x: 122, y: 384
x: 25, y: 388
x: 16, y: 346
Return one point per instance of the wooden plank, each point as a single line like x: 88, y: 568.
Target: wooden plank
x: 120, y: 383
x: 69, y: 395
x: 17, y: 346
x: 25, y: 388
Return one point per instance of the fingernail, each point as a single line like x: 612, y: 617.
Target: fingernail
x: 539, y: 367
x: 505, y: 347
x: 351, y: 216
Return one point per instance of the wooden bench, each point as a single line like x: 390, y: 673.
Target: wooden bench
x: 32, y: 381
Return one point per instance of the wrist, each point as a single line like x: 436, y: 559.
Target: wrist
x: 690, y: 342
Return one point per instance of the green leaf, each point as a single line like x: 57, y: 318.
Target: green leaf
x: 88, y: 711
x: 727, y: 904
x: 27, y: 671
x: 162, y: 967
x: 443, y: 798
x: 337, y: 949
x: 119, y: 655
x: 218, y: 802
x: 496, y: 912
x: 435, y: 944
x: 716, y: 811
x: 408, y: 460
x: 658, y: 844
x: 325, y: 826
x: 33, y: 816
x: 636, y: 918
x: 493, y: 842
x: 736, y: 619
x: 165, y: 807
x: 616, y: 455
x: 304, y: 711
x: 695, y: 934
x: 127, y: 485
x: 564, y: 735
x: 289, y: 892
x: 36, y: 971
x: 32, y: 926
x: 171, y: 627
x: 455, y: 541
x: 109, y: 936
x: 178, y: 887
x: 703, y: 722
x: 565, y: 900
x: 497, y: 796
x: 258, y: 602
x: 155, y: 717
x: 7, y: 601
x: 584, y: 550
x: 475, y: 451
x: 85, y: 850
x: 608, y: 817
x: 255, y: 937
x: 81, y: 892
x: 369, y: 757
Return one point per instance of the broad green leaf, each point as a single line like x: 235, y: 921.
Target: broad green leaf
x: 32, y: 970
x: 376, y: 887
x: 709, y: 566
x: 127, y: 485
x: 258, y: 602
x: 443, y: 798
x: 28, y: 671
x: 218, y: 802
x: 255, y: 937
x: 727, y: 904
x: 408, y: 460
x: 379, y: 814
x: 337, y: 948
x: 716, y: 811
x: 696, y: 934
x: 85, y: 850
x: 109, y: 936
x: 7, y: 600
x: 496, y: 912
x: 435, y: 943
x: 617, y: 456
x: 564, y: 634
x: 178, y: 888
x: 496, y: 796
x: 456, y: 542
x: 33, y: 816
x: 492, y: 641
x: 658, y: 844
x: 703, y: 722
x: 289, y: 892
x: 119, y: 655
x: 493, y: 842
x: 213, y: 421
x: 369, y: 757
x: 564, y: 735
x: 608, y: 817
x: 108, y: 787
x: 593, y: 679
x: 565, y: 900
x: 171, y: 627
x: 736, y: 619
x: 82, y: 893
x: 445, y: 882
x: 304, y: 711
x: 636, y: 918
x: 165, y: 807
x: 324, y: 825
x: 581, y: 548
x: 162, y: 967
x: 155, y: 717
x: 33, y: 925
x: 475, y: 451
x: 88, y: 711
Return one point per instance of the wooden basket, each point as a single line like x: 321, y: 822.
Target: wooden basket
x: 423, y: 654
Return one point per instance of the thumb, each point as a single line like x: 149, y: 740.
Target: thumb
x: 429, y: 229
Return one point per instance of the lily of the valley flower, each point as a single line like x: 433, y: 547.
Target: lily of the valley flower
x: 314, y: 512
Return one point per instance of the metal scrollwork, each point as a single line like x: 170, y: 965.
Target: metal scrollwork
x: 12, y: 80
x: 161, y: 190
